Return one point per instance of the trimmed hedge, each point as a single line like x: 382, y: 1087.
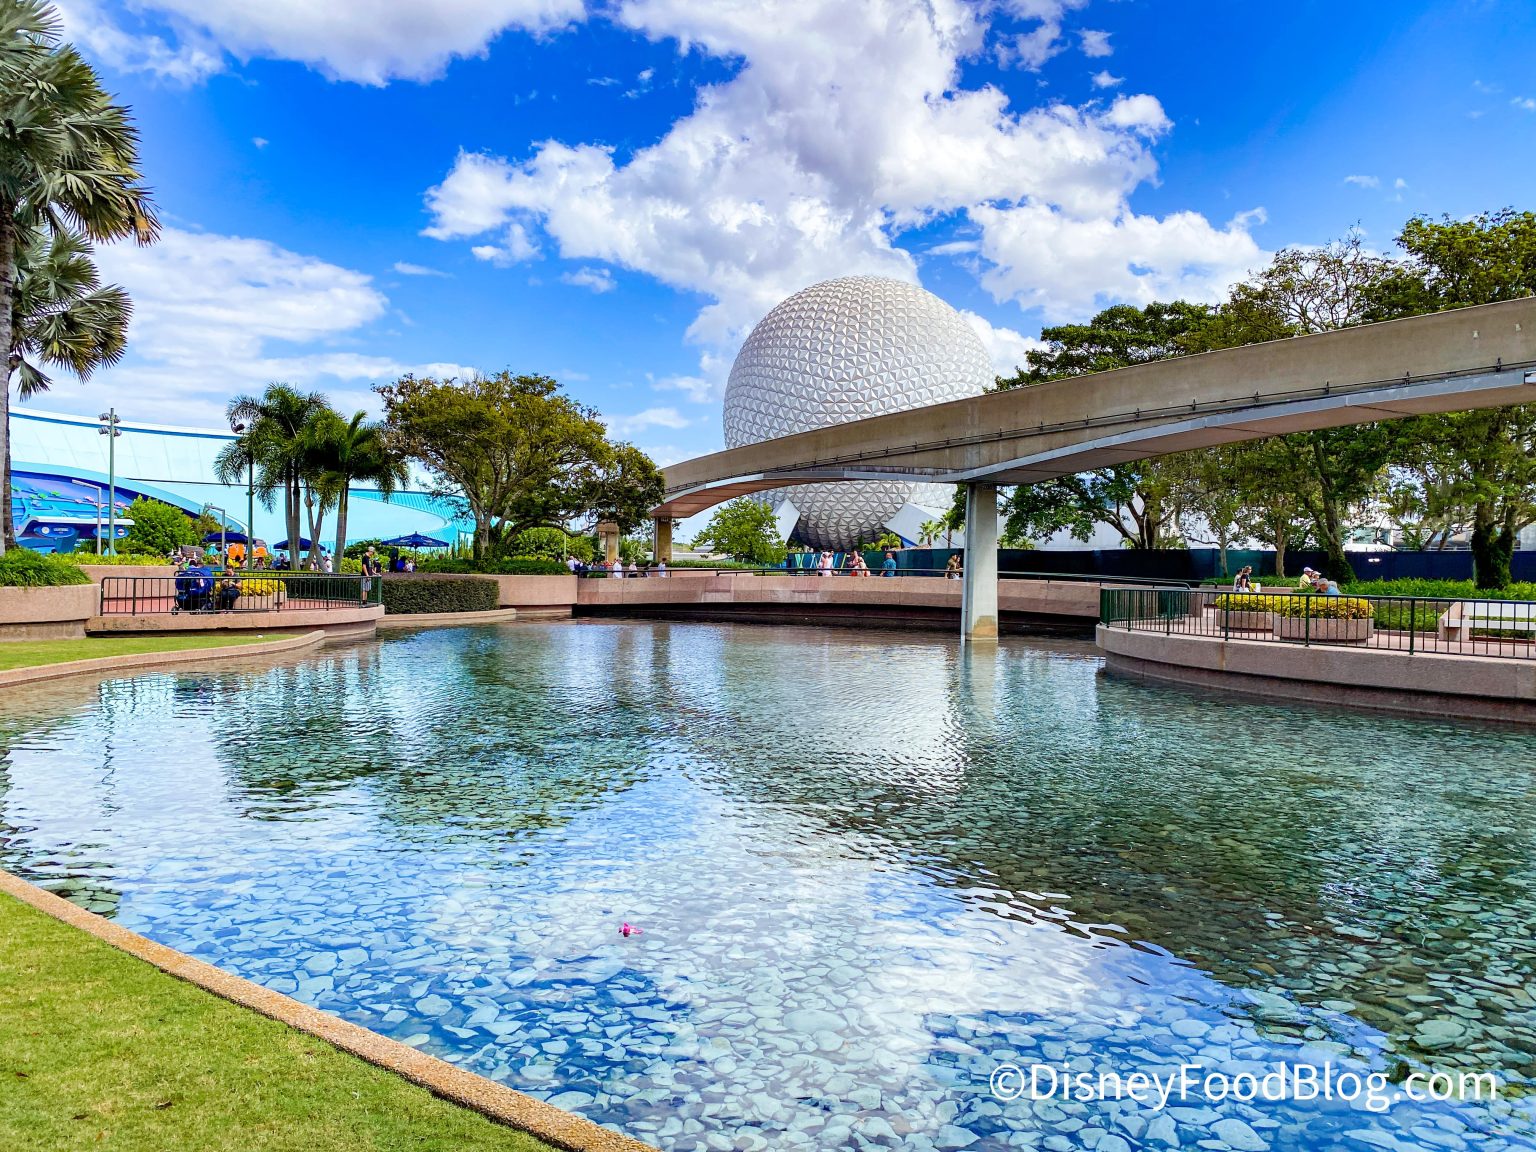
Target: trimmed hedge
x: 403, y: 596
x: 133, y: 558
x: 509, y: 566
x: 24, y: 568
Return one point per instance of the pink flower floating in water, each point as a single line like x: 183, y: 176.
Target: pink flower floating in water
x: 630, y: 930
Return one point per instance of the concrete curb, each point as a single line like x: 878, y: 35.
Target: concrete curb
x: 496, y: 1101
x: 447, y: 619
x: 140, y: 660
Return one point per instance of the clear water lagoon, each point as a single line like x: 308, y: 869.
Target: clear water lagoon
x: 869, y: 870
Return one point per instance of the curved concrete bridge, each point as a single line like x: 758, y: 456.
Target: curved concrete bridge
x: 1480, y: 357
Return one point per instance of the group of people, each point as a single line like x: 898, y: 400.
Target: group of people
x: 616, y: 570
x: 853, y: 564
x: 1311, y: 581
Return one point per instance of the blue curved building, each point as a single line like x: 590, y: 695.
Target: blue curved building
x: 59, y: 484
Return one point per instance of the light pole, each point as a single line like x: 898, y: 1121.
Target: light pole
x: 109, y: 429
x: 250, y: 497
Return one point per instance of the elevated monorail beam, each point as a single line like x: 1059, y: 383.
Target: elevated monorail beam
x: 1480, y: 357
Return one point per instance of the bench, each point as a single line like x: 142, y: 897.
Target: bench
x: 1460, y: 620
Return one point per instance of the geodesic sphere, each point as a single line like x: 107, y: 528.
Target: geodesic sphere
x: 842, y: 350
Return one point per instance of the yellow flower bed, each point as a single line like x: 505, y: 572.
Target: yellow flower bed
x: 261, y: 587
x: 1323, y: 607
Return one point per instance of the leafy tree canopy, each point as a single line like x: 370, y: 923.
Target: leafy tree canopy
x: 745, y: 530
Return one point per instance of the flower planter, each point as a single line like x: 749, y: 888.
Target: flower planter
x: 1242, y: 621
x: 1323, y: 629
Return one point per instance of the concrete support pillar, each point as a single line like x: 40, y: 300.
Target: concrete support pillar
x: 661, y: 541
x: 608, y: 535
x: 978, y: 599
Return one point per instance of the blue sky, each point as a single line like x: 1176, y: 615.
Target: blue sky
x: 613, y: 193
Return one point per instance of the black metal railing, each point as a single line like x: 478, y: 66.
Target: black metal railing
x: 243, y: 592
x: 1411, y: 624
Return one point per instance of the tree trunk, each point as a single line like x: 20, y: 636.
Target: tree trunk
x: 291, y: 513
x: 341, y: 527
x: 7, y: 337
x: 1493, y: 548
x: 1333, y: 544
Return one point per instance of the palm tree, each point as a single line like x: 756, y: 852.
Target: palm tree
x: 352, y: 451
x: 62, y: 316
x: 68, y: 160
x: 277, y: 443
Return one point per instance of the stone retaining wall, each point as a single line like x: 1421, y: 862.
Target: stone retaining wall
x: 1424, y: 683
x: 47, y: 613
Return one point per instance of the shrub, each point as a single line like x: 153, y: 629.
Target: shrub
x: 120, y: 558
x: 24, y: 568
x: 404, y: 595
x: 356, y: 549
x: 1442, y: 589
x: 1247, y: 602
x: 158, y: 527
x: 260, y: 586
x: 1267, y: 581
x: 508, y: 566
x: 1321, y: 607
x: 544, y: 543
x: 351, y: 565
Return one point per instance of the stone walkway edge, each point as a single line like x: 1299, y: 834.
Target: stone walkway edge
x: 135, y: 660
x: 495, y: 1101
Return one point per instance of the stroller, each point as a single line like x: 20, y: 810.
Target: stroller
x: 194, y: 590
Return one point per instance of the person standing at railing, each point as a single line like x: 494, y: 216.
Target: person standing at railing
x: 661, y: 567
x: 888, y: 568
x: 371, y: 571
x: 954, y: 570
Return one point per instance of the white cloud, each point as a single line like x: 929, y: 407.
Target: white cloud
x: 1069, y: 267
x: 366, y: 41
x: 516, y: 246
x: 406, y: 269
x: 599, y: 280
x: 1095, y: 44
x: 1525, y: 103
x: 626, y: 426
x: 215, y: 315
x: 1106, y: 80
x: 1005, y: 346
x: 1399, y: 183
x: 260, y: 141
x: 1031, y: 49
x: 786, y: 174
x: 1363, y: 181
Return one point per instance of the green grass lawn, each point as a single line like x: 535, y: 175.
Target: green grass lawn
x: 101, y: 1050
x: 32, y: 653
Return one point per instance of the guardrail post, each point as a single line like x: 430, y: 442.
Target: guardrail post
x: 1306, y: 639
x: 133, y: 594
x: 1413, y: 622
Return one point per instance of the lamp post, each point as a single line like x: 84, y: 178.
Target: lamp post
x: 250, y: 500
x: 109, y: 429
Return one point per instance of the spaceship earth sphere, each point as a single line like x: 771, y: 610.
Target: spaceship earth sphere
x: 842, y: 350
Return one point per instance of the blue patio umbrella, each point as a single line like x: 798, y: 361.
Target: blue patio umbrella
x: 303, y: 544
x: 414, y: 540
x: 231, y: 537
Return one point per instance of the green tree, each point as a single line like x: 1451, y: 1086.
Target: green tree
x: 347, y: 452
x: 512, y: 451
x: 625, y: 486
x: 68, y: 161
x: 1139, y: 501
x: 745, y: 530
x: 158, y: 528
x: 1328, y: 473
x: 62, y: 317
x: 277, y: 438
x: 1453, y: 264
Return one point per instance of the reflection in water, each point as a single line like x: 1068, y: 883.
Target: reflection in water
x: 870, y: 867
